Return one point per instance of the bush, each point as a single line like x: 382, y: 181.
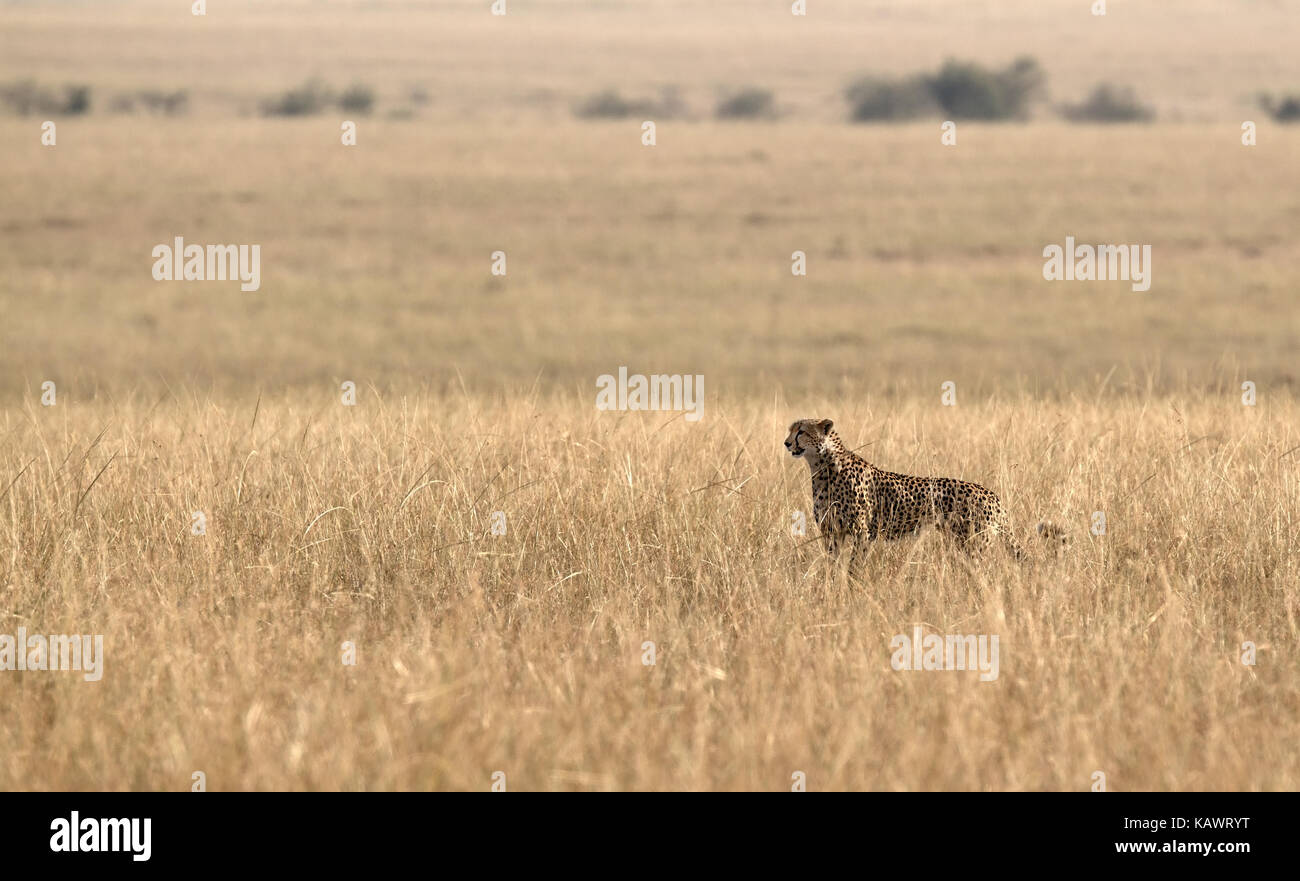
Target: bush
x: 76, y: 100
x: 966, y: 90
x: 310, y: 98
x: 26, y: 97
x: 746, y: 104
x: 875, y: 99
x: 357, y: 98
x: 167, y: 103
x: 22, y: 97
x: 959, y: 90
x: 17, y: 96
x: 314, y: 97
x: 1283, y: 109
x: 609, y: 104
x: 153, y: 101
x: 1024, y: 83
x: 1109, y: 103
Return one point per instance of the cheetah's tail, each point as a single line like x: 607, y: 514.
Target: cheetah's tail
x: 1049, y: 531
x: 1052, y: 534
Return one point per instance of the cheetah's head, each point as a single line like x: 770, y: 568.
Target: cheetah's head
x: 808, y: 436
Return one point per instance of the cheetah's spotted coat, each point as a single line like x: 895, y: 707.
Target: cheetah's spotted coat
x: 855, y: 502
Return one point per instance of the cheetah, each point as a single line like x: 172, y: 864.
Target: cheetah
x: 854, y: 500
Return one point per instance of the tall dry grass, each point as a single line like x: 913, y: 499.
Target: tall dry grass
x: 522, y: 652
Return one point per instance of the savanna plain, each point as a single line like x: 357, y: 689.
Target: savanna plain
x: 522, y: 651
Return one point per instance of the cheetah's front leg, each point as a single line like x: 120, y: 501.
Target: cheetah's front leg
x: 861, y: 547
x: 863, y: 535
x: 828, y: 524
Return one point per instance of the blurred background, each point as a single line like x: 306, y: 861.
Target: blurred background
x: 522, y: 133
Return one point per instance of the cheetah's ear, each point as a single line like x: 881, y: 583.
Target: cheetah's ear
x: 825, y: 425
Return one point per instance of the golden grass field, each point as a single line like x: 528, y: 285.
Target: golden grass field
x: 522, y: 653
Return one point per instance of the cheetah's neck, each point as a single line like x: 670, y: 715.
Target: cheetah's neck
x: 832, y: 459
